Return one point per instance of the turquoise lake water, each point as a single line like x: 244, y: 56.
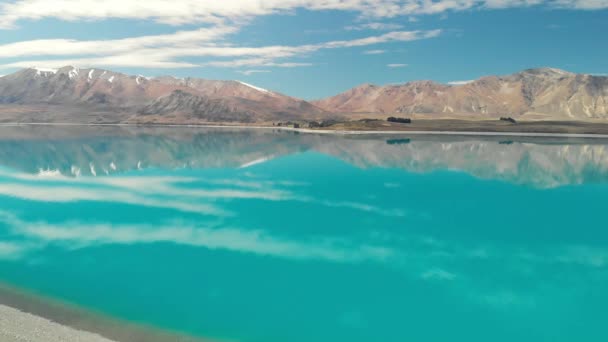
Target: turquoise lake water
x: 262, y: 236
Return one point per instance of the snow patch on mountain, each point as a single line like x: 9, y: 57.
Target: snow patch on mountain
x: 45, y: 71
x: 73, y: 73
x: 461, y: 82
x: 256, y: 88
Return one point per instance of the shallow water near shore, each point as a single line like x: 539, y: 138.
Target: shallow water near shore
x: 261, y: 235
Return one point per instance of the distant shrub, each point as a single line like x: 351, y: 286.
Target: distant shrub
x: 288, y: 124
x: 327, y: 123
x: 399, y: 120
x: 314, y: 124
x: 508, y: 119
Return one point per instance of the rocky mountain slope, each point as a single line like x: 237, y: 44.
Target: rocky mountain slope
x: 94, y: 95
x: 534, y: 93
x: 186, y: 99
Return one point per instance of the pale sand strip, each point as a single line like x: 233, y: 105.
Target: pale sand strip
x: 17, y: 326
x: 461, y: 133
x: 329, y: 131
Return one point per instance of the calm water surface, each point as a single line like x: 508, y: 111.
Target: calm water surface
x: 261, y: 236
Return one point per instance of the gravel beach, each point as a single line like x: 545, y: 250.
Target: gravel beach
x: 18, y: 326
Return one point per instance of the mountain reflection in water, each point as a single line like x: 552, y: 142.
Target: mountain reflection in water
x: 257, y: 235
x: 85, y: 151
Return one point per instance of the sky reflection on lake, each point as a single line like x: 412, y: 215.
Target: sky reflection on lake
x: 256, y: 235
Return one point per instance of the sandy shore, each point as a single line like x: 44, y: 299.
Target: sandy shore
x: 17, y: 326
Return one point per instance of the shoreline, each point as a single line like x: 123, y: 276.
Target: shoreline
x: 30, y: 317
x: 324, y: 131
x: 20, y: 326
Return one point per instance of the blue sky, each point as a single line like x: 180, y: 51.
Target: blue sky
x: 307, y: 48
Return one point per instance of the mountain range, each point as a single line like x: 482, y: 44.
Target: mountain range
x: 543, y: 93
x: 142, y: 99
x: 72, y: 94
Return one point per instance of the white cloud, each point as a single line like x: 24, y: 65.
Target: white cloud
x: 396, y: 65
x: 583, y: 4
x: 510, y: 3
x: 166, y: 51
x: 375, y: 26
x: 374, y: 52
x: 196, y: 11
x: 171, y: 11
x: 255, y: 62
x: 395, y: 36
x: 62, y: 47
x: 253, y: 71
x: 221, y: 19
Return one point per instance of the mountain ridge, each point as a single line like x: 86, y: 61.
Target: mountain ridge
x: 537, y: 93
x: 532, y: 93
x: 137, y: 94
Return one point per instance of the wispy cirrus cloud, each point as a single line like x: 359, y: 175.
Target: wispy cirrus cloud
x: 374, y: 26
x: 374, y: 52
x: 219, y: 20
x: 196, y: 12
x: 396, y: 65
x: 168, y: 51
x: 255, y: 62
x: 253, y: 71
x: 62, y: 47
